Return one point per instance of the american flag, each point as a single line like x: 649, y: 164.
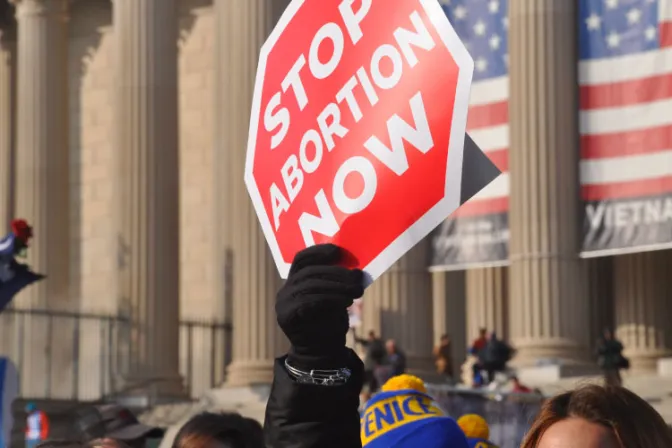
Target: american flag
x: 625, y: 74
x: 483, y: 27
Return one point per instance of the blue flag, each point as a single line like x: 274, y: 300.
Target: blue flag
x: 23, y: 277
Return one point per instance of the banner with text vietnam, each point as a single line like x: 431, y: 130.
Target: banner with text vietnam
x: 626, y: 128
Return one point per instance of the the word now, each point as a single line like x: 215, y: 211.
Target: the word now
x: 368, y: 82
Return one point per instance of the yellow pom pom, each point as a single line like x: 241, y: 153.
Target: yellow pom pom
x: 474, y: 426
x: 404, y: 382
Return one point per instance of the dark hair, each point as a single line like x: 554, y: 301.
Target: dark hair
x: 633, y: 421
x: 230, y: 430
x: 61, y: 444
x: 108, y: 443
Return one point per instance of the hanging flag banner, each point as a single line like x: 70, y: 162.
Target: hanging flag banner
x: 349, y: 144
x: 625, y: 73
x: 477, y: 234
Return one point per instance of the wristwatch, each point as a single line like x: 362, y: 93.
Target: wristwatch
x: 319, y: 377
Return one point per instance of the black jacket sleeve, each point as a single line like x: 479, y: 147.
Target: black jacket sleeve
x: 309, y: 416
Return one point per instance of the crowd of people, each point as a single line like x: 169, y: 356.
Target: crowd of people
x: 382, y: 361
x: 315, y: 402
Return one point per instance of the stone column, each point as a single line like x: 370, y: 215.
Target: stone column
x: 7, y: 95
x: 42, y: 164
x: 7, y: 157
x: 643, y: 309
x: 448, y: 290
x: 146, y: 34
x: 403, y: 296
x: 243, y: 27
x: 548, y: 302
x: 42, y: 183
x: 600, y: 296
x: 487, y: 301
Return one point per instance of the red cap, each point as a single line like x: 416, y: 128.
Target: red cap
x: 22, y: 229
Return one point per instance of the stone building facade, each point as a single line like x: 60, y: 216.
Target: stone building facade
x: 123, y: 129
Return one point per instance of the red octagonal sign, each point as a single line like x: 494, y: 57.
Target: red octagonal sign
x: 357, y: 128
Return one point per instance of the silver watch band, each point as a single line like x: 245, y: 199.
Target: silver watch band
x: 319, y: 377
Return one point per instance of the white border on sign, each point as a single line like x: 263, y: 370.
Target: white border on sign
x: 437, y: 214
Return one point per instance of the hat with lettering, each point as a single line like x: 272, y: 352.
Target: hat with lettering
x: 404, y: 416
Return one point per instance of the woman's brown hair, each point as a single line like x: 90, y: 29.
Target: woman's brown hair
x: 634, y: 422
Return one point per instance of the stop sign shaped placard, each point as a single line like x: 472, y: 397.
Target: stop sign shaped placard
x: 357, y: 128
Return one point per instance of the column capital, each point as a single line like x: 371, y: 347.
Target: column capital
x: 41, y: 7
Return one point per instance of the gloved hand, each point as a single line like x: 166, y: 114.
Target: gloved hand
x: 311, y: 307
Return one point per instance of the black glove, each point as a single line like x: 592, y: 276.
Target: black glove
x: 312, y: 307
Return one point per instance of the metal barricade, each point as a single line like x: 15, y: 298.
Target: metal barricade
x: 508, y: 414
x: 84, y: 357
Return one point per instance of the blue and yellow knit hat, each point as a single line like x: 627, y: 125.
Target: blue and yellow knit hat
x: 404, y: 416
x: 477, y: 431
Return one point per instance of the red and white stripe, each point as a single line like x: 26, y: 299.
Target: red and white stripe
x: 488, y: 126
x: 626, y: 121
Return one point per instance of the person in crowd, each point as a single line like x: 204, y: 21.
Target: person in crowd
x: 61, y: 444
x: 403, y: 415
x: 443, y: 357
x: 477, y: 431
x: 107, y: 443
x: 596, y: 416
x: 475, y: 350
x: 98, y: 443
x: 14, y: 245
x: 374, y: 357
x: 209, y: 430
x: 610, y: 358
x: 314, y: 398
x: 111, y: 421
x: 480, y: 342
x: 518, y: 387
x: 37, y: 425
x: 494, y: 357
x: 395, y: 357
x: 15, y: 276
x: 394, y: 364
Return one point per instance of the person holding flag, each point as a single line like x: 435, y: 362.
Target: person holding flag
x: 15, y: 276
x: 14, y: 245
